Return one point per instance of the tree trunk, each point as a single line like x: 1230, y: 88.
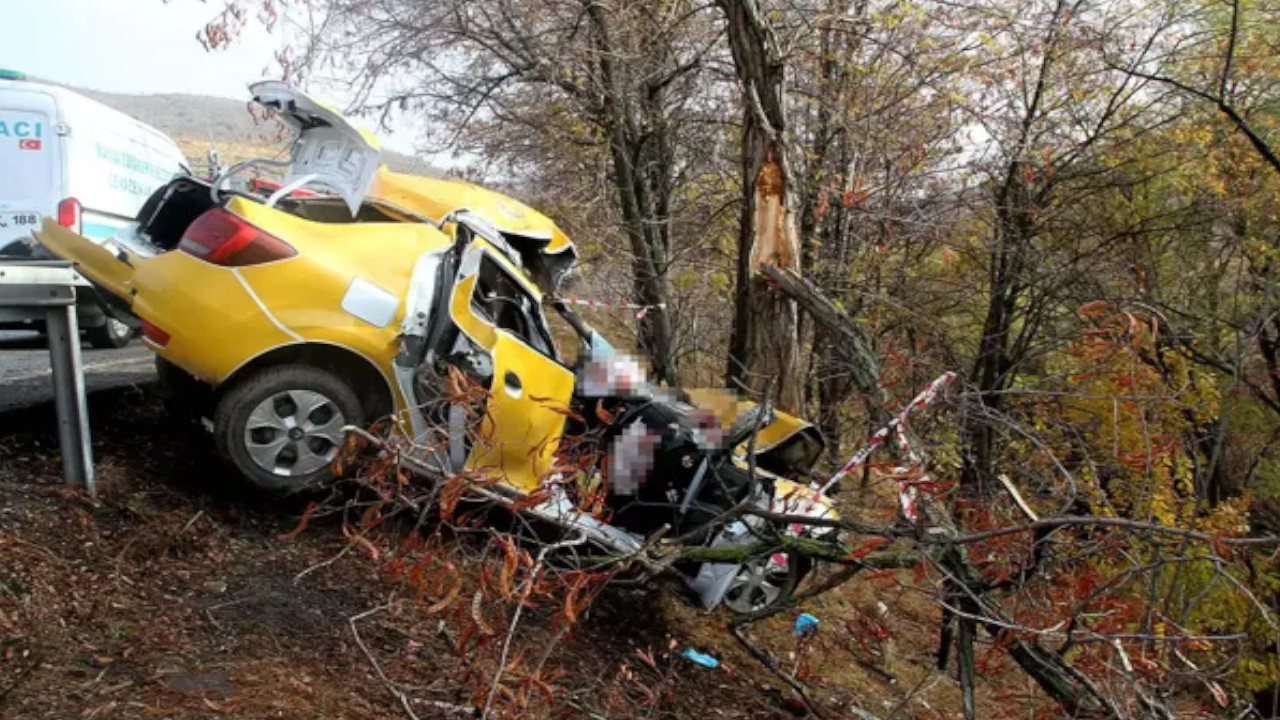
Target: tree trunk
x: 764, y: 343
x: 844, y: 335
x: 641, y: 197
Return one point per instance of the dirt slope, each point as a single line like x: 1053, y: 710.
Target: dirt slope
x: 176, y: 595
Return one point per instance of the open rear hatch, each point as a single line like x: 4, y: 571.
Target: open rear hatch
x: 328, y: 153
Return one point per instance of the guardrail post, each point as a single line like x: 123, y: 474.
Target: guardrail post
x: 29, y: 288
x: 69, y: 396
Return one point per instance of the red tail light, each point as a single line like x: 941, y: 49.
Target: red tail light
x: 154, y: 334
x: 69, y: 214
x: 222, y: 238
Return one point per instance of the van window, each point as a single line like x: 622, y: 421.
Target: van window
x: 501, y: 300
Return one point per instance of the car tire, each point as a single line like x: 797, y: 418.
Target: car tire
x: 281, y: 427
x: 112, y: 334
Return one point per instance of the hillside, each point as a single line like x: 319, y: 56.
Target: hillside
x: 196, y: 120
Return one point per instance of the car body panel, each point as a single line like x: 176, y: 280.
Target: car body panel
x: 95, y: 262
x: 178, y: 294
x: 726, y: 406
x: 523, y: 423
x: 378, y: 254
x: 522, y: 428
x: 214, y: 319
x: 219, y: 318
x: 330, y: 152
x: 549, y: 253
x: 435, y: 198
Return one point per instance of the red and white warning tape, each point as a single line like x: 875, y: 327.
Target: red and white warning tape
x: 643, y: 309
x: 907, y: 494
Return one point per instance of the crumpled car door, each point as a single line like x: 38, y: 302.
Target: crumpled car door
x: 500, y: 311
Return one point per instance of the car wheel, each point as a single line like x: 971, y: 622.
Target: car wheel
x: 109, y: 335
x: 763, y: 583
x: 282, y: 427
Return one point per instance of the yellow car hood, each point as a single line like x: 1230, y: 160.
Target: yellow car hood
x: 436, y: 197
x: 790, y: 440
x: 546, y: 252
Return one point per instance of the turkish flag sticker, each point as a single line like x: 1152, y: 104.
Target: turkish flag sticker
x: 28, y: 144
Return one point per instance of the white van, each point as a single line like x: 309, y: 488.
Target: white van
x: 86, y: 165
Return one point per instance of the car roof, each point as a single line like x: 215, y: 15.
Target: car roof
x: 435, y: 198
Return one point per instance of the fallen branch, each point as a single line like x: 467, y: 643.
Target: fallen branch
x: 763, y: 658
x: 557, y: 514
x: 515, y: 618
x: 391, y: 686
x: 849, y: 340
x: 1135, y: 525
x: 816, y: 549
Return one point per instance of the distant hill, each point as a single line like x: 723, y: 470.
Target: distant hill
x: 195, y: 120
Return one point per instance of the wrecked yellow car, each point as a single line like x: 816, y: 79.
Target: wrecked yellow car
x: 351, y: 293
x: 304, y: 312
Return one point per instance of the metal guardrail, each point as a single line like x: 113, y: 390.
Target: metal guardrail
x: 49, y: 286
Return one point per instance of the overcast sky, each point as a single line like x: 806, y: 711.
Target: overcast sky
x: 137, y: 46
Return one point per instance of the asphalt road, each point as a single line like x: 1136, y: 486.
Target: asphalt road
x: 25, y: 377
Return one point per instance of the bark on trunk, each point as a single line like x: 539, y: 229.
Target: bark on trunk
x: 764, y: 343
x: 641, y: 165
x: 844, y: 336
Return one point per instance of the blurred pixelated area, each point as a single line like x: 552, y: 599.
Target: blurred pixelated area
x: 631, y: 459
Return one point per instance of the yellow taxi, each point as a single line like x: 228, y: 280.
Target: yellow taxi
x: 305, y: 311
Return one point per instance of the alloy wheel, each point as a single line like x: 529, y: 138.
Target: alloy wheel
x: 294, y: 432
x: 760, y: 583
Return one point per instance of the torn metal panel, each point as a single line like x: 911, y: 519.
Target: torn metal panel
x: 329, y: 151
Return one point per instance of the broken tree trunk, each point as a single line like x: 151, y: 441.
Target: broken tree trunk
x: 775, y: 352
x: 764, y: 343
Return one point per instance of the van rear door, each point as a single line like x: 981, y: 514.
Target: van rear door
x: 30, y: 160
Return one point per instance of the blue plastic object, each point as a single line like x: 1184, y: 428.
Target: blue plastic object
x: 807, y: 625
x: 703, y: 660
